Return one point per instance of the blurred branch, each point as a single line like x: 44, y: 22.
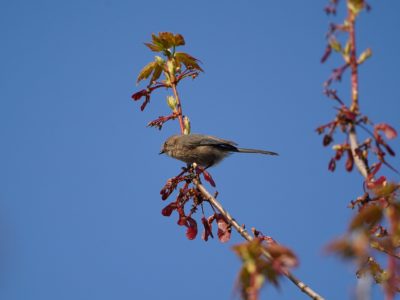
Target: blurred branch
x: 379, y: 206
x: 362, y: 168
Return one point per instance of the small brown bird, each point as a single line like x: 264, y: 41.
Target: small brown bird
x: 205, y: 150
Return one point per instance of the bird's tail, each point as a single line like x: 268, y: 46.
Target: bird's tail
x: 246, y: 150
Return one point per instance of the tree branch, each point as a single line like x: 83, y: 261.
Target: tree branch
x: 243, y: 232
x: 360, y: 163
x: 362, y: 168
x: 179, y: 107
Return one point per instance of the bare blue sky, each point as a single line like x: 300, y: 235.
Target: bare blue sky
x: 79, y: 200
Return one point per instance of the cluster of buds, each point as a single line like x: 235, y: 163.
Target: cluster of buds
x: 346, y: 120
x: 190, y: 195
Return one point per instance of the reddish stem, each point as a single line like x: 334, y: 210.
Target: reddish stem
x: 179, y: 107
x: 392, y: 263
x: 353, y: 62
x: 253, y: 293
x: 351, y: 19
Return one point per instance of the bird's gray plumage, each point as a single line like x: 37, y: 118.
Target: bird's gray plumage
x: 205, y: 150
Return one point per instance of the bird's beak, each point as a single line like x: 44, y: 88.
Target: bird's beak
x: 161, y: 152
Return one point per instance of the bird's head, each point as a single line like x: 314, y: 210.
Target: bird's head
x: 169, y: 145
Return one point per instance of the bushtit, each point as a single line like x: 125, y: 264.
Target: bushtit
x: 204, y: 150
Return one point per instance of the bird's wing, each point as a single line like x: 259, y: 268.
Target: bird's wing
x: 208, y: 140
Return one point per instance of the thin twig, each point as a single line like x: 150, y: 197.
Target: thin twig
x: 243, y: 232
x: 353, y: 61
x: 397, y: 256
x: 362, y: 168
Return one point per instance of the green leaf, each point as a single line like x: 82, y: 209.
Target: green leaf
x: 347, y: 48
x: 335, y: 44
x: 159, y: 42
x: 186, y: 124
x: 364, y: 56
x: 171, y: 66
x: 356, y: 6
x: 189, y: 61
x: 146, y: 71
x: 370, y: 215
x: 153, y: 47
x: 157, y: 73
x: 271, y: 275
x: 171, y: 101
x: 373, y: 268
x: 166, y: 39
x: 160, y: 61
x: 179, y: 40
